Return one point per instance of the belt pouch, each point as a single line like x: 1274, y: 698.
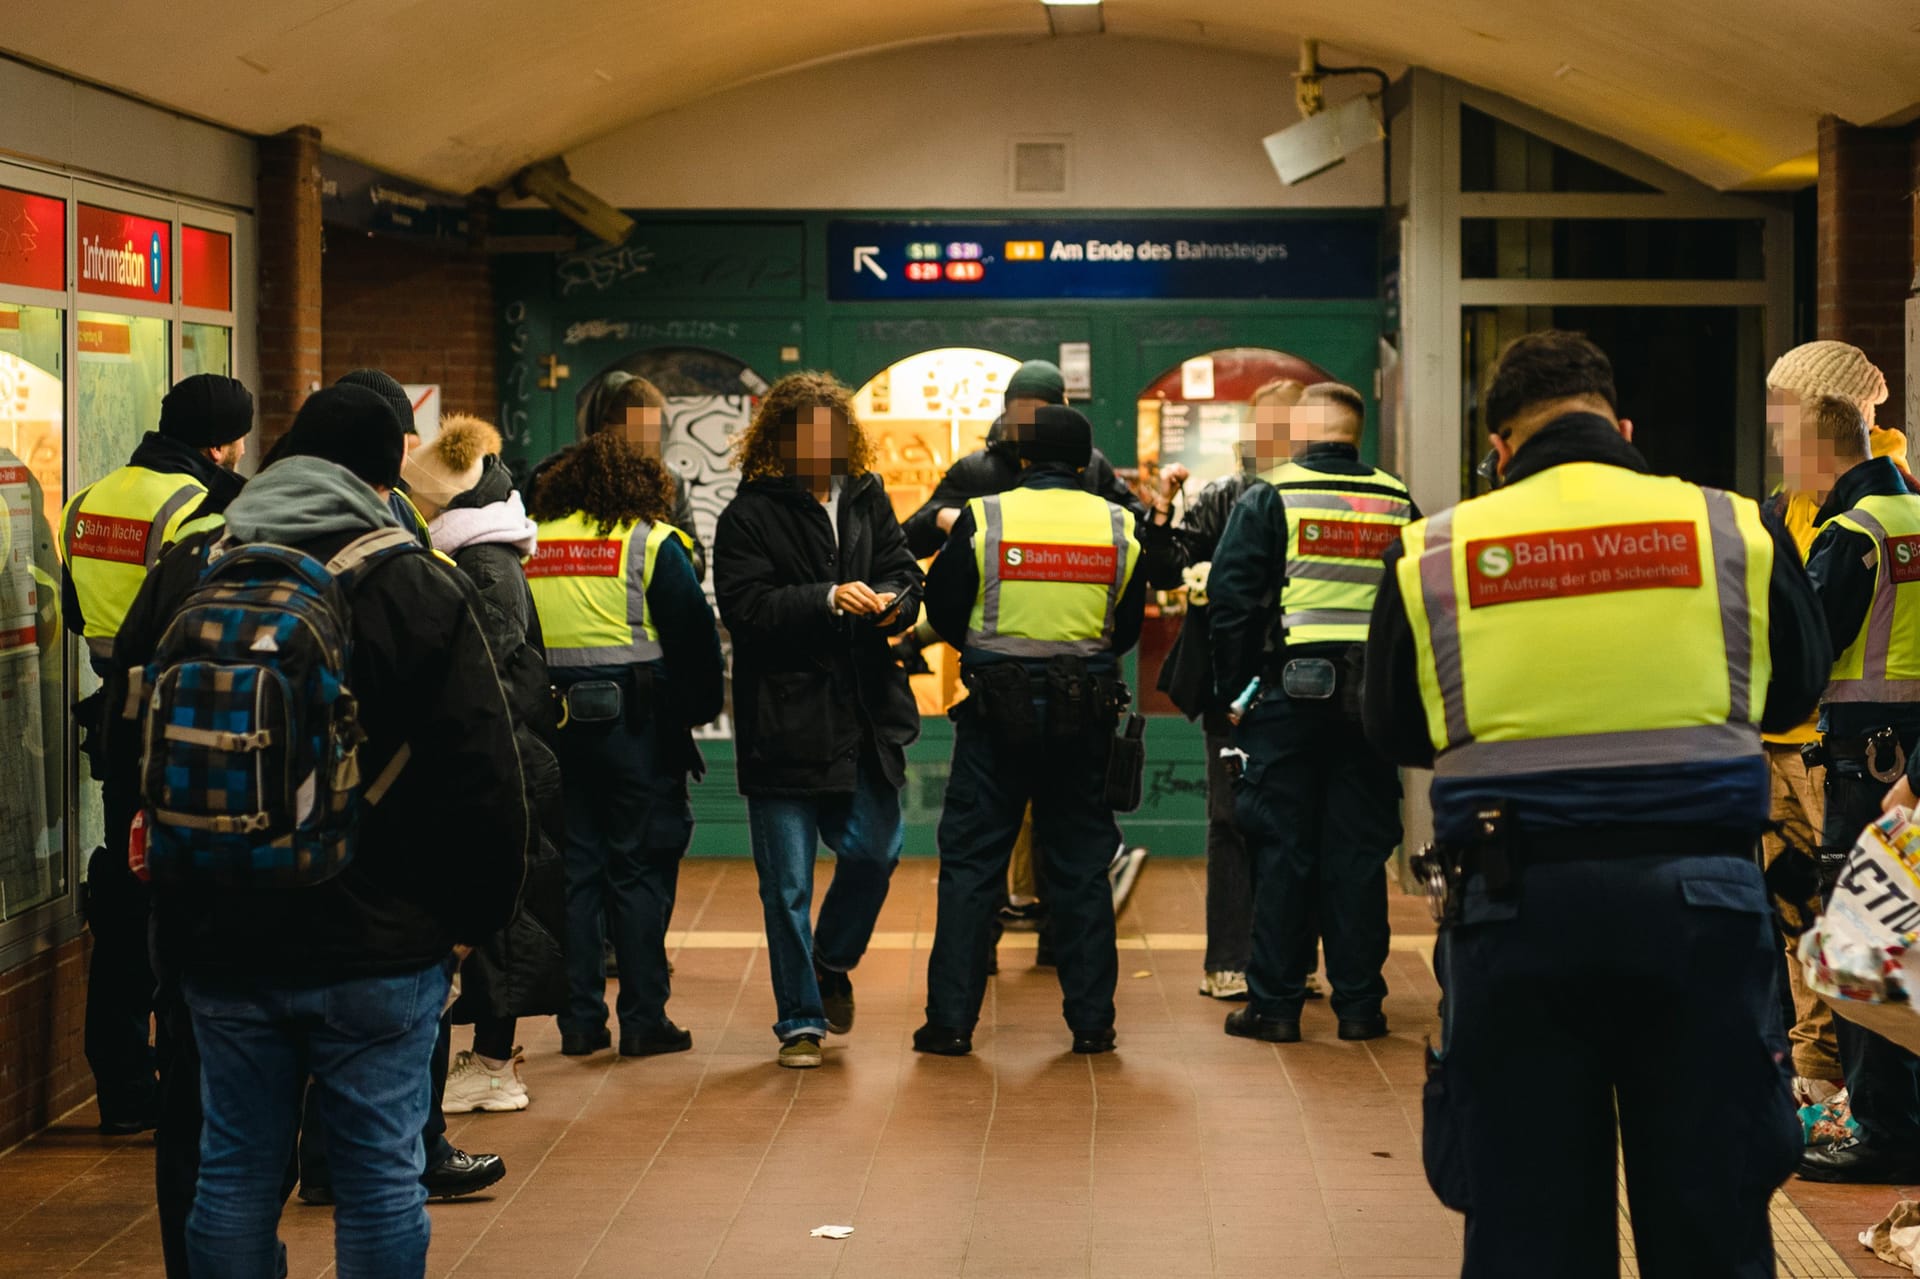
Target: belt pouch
x: 1126, y: 765
x: 1311, y: 679
x: 1005, y: 695
x: 594, y: 702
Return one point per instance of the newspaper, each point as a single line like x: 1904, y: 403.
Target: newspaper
x: 1863, y: 954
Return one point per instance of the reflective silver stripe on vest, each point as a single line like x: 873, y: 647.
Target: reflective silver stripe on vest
x: 101, y: 646
x: 1873, y: 684
x: 1326, y: 617
x: 75, y: 514
x: 990, y: 569
x: 1397, y: 506
x: 157, y: 531
x: 1736, y: 618
x: 1118, y: 519
x: 618, y: 655
x: 1654, y: 746
x: 1443, y: 623
x: 641, y: 649
x: 1366, y: 574
x: 988, y: 638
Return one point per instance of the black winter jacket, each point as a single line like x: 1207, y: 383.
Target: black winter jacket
x: 519, y: 971
x: 440, y: 859
x: 1187, y: 675
x: 811, y: 689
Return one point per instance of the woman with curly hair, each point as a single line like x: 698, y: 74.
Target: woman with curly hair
x: 635, y: 657
x: 812, y: 575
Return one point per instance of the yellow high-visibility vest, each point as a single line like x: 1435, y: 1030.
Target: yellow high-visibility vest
x: 590, y: 590
x: 1588, y: 617
x: 113, y: 532
x: 1338, y: 526
x: 1882, y: 664
x: 1053, y: 565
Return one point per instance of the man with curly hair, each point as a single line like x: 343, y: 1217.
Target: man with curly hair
x: 813, y: 575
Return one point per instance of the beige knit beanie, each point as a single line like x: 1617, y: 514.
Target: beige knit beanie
x: 443, y: 470
x: 1830, y: 368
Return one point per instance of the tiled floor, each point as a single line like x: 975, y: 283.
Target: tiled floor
x: 1184, y: 1154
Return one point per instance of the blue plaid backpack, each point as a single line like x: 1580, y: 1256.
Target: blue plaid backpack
x: 250, y: 767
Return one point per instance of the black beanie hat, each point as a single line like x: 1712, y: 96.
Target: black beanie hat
x: 206, y: 410
x: 350, y: 426
x: 387, y: 389
x: 1058, y: 434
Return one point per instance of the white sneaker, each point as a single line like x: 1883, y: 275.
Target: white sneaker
x: 1224, y: 985
x: 472, y: 1085
x: 1122, y: 872
x: 1811, y: 1092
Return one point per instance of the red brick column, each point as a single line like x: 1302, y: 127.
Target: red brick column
x: 1866, y: 238
x: 421, y: 312
x: 289, y: 204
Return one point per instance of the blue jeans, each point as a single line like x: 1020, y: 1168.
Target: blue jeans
x: 865, y: 832
x: 366, y: 1044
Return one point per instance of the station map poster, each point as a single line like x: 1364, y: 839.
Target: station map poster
x: 1305, y: 258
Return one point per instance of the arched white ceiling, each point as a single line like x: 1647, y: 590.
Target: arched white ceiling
x: 460, y: 93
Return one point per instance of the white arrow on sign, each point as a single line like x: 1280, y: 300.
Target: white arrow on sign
x: 863, y: 257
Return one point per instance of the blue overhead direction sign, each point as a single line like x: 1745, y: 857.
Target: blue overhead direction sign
x: 1306, y: 258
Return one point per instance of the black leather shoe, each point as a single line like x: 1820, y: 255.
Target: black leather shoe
x: 1248, y: 1024
x: 836, y: 999
x: 664, y: 1038
x: 1855, y: 1162
x: 316, y: 1196
x: 942, y: 1041
x: 584, y: 1043
x: 1088, y: 1042
x: 1363, y: 1028
x: 462, y: 1174
x: 126, y: 1126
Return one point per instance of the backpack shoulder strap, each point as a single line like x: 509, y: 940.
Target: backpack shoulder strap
x: 367, y: 547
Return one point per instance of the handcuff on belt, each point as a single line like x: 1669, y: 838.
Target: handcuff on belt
x: 1444, y: 868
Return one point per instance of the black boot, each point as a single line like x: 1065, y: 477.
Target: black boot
x: 942, y: 1041
x: 1244, y: 1023
x: 462, y: 1174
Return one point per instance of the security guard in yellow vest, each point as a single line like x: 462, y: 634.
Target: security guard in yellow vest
x: 1291, y: 588
x: 1039, y: 590
x: 634, y: 653
x: 1586, y: 658
x: 1865, y: 566
x: 177, y: 482
x: 178, y: 478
